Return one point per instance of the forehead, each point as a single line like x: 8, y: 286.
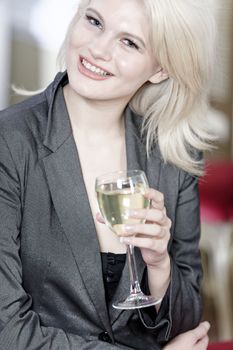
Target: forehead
x: 124, y: 13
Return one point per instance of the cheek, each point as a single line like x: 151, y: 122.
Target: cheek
x: 79, y: 37
x: 134, y: 69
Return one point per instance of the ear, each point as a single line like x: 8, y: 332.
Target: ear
x: 159, y: 76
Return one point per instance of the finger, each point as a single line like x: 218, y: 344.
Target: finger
x: 201, y: 331
x: 206, y: 324
x: 139, y: 242
x: 100, y: 218
x: 152, y: 230
x: 153, y: 215
x: 156, y: 197
x: 160, y: 246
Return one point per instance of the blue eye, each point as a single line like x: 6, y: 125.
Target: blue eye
x: 131, y: 44
x: 93, y: 21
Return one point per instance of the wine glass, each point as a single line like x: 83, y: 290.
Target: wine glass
x: 117, y: 194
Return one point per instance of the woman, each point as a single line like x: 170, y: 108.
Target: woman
x: 124, y: 60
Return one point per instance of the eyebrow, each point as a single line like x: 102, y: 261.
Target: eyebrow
x: 96, y: 12
x: 124, y: 33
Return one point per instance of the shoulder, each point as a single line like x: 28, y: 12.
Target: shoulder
x: 14, y: 117
x: 176, y: 175
x: 24, y: 122
x: 173, y: 180
x: 28, y: 120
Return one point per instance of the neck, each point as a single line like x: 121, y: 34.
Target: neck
x: 94, y: 117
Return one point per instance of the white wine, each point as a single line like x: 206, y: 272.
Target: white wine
x: 118, y: 193
x: 115, y: 204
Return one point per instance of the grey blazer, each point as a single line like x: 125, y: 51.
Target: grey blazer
x: 51, y: 287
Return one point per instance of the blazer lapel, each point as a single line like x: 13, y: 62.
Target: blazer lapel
x: 65, y: 180
x: 136, y: 159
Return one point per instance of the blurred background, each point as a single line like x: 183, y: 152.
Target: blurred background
x: 30, y: 36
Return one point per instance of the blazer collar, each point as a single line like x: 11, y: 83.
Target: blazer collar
x: 58, y: 125
x: 65, y: 180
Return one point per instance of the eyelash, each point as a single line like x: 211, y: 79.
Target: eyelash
x: 95, y: 22
x: 131, y: 44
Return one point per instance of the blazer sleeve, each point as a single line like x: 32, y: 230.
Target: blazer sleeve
x: 181, y: 308
x: 20, y: 327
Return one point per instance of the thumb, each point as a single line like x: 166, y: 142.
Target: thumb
x: 201, y: 331
x: 100, y: 218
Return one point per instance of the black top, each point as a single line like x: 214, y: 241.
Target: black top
x: 112, y: 265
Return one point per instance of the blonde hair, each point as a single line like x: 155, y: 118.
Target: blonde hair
x: 183, y: 36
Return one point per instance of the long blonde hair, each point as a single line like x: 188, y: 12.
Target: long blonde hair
x: 174, y: 111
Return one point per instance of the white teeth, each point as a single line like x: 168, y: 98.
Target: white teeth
x: 94, y: 69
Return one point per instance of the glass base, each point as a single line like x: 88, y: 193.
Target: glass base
x: 137, y: 301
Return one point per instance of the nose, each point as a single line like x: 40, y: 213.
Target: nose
x: 101, y: 48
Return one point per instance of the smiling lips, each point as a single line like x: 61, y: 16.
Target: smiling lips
x: 92, y: 71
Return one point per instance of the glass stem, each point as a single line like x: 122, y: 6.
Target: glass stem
x: 134, y: 284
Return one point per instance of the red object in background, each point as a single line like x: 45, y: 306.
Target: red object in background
x: 216, y: 192
x: 221, y: 346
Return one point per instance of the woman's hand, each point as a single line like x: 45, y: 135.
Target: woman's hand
x: 196, y: 339
x: 151, y: 237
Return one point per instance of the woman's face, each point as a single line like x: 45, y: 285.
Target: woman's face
x: 109, y: 54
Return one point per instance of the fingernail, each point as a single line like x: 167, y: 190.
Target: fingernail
x: 128, y: 228
x: 206, y: 324
x: 133, y: 213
